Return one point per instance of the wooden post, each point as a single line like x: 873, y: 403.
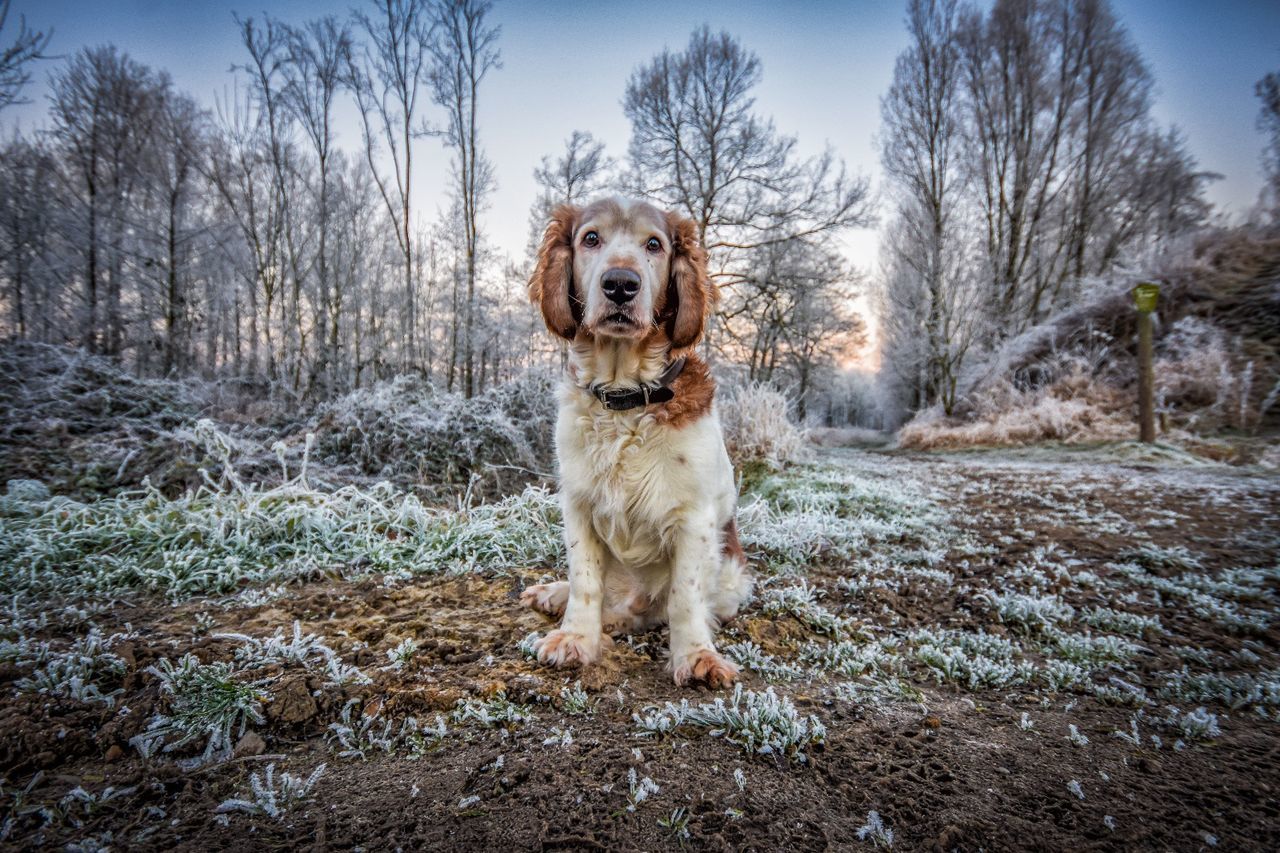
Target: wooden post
x: 1144, y: 297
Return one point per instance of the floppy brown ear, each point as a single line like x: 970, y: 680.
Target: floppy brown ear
x: 690, y: 294
x: 551, y: 286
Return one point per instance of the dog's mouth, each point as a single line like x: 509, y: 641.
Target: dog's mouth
x: 619, y: 324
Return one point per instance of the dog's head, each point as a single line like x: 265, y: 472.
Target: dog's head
x: 622, y: 269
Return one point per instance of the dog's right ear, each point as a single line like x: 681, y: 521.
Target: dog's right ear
x: 551, y: 286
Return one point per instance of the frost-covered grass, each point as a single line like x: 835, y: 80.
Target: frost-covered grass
x: 833, y: 513
x: 758, y: 722
x: 228, y: 533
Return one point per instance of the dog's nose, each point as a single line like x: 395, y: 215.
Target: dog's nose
x: 621, y: 285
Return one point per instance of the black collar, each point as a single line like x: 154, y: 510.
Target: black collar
x: 622, y: 399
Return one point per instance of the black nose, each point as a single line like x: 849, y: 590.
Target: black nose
x: 621, y: 285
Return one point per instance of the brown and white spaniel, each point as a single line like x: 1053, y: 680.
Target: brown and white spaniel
x: 646, y: 485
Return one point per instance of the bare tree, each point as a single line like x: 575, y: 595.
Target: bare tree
x: 582, y: 171
x: 175, y: 174
x: 921, y: 150
x: 28, y: 46
x: 319, y: 58
x: 698, y: 146
x: 386, y: 77
x: 103, y: 112
x: 28, y: 202
x: 463, y: 51
x: 1268, y: 91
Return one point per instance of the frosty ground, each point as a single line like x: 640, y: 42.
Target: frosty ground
x: 1039, y: 649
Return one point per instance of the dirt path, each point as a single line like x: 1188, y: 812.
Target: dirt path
x: 1004, y: 653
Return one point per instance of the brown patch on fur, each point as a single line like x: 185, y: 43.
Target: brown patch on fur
x: 694, y: 389
x: 690, y: 294
x: 551, y: 286
x: 731, y: 547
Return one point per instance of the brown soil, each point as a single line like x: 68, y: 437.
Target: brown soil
x: 951, y: 772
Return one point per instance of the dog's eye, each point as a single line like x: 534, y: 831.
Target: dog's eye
x: 591, y: 239
x: 654, y: 245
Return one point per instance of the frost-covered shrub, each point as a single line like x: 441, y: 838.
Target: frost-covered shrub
x: 1075, y: 409
x: 82, y: 423
x: 757, y: 425
x: 406, y: 431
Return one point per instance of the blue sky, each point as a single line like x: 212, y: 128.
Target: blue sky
x: 825, y: 66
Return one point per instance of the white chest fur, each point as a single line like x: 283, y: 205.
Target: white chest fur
x: 638, y: 479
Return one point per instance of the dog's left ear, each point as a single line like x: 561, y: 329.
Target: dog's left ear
x: 551, y: 286
x: 690, y: 294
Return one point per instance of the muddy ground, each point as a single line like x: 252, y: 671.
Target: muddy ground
x: 947, y: 764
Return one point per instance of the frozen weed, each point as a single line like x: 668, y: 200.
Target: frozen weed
x: 1074, y: 787
x: 876, y: 832
x: 757, y: 722
x: 1132, y: 735
x: 73, y: 672
x: 1091, y: 650
x: 574, y: 700
x: 270, y: 797
x: 205, y: 701
x: 1074, y: 735
x: 498, y: 711
x: 1234, y: 691
x: 676, y: 824
x: 1029, y: 613
x: 851, y: 658
x: 750, y: 656
x: 1196, y: 725
x: 1062, y: 675
x: 401, y: 655
x: 639, y: 789
x: 1120, y: 622
x: 559, y: 737
x: 801, y: 602
x: 355, y: 735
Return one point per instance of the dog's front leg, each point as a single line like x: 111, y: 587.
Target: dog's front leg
x: 693, y: 654
x: 577, y: 641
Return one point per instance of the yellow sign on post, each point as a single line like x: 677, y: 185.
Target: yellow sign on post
x: 1145, y: 295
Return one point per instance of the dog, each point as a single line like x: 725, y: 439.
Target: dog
x: 646, y: 485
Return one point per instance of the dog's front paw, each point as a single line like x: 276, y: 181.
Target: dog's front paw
x: 548, y: 599
x: 707, y: 666
x: 566, y: 648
